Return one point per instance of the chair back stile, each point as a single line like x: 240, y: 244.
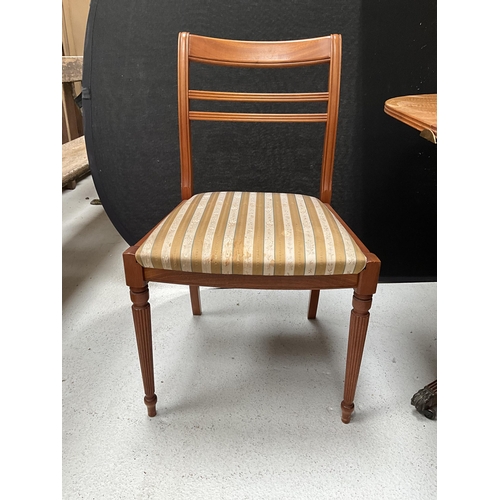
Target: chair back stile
x: 184, y: 123
x: 235, y: 53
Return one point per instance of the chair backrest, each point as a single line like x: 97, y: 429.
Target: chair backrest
x: 273, y: 54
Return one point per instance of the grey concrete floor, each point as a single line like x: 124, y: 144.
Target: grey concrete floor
x: 248, y: 393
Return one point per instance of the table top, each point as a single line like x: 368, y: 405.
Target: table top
x: 417, y: 111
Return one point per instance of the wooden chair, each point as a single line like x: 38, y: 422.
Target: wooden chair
x: 277, y: 241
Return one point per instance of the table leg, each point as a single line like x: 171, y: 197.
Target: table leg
x: 425, y: 400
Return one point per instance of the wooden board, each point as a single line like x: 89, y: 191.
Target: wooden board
x: 72, y: 68
x: 74, y: 160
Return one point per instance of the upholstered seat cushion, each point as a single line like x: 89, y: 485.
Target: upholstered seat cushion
x: 252, y: 233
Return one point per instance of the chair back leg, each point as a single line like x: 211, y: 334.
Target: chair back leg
x: 194, y: 293
x: 313, y: 304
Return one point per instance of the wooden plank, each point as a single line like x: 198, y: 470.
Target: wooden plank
x: 71, y: 113
x: 72, y: 69
x: 74, y: 160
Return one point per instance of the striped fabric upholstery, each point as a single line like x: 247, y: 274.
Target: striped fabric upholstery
x: 252, y: 233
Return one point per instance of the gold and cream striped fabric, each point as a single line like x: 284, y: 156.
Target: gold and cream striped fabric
x: 252, y: 233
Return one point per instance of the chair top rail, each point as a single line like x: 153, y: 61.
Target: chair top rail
x: 260, y: 53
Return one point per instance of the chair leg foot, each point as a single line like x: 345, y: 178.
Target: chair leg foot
x: 141, y: 312
x: 357, y: 334
x: 346, y: 412
x: 151, y: 405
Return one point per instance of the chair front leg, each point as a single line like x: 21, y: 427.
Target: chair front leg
x: 357, y: 335
x: 141, y: 311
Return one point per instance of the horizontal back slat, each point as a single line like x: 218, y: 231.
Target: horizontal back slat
x: 208, y: 95
x: 257, y: 117
x: 259, y: 54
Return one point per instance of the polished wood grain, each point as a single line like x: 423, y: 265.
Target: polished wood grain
x: 246, y: 281
x: 257, y: 117
x: 198, y: 49
x: 357, y: 334
x: 184, y: 122
x: 324, y: 50
x: 417, y: 111
x: 259, y: 53
x: 142, y: 322
x: 194, y: 293
x: 210, y: 95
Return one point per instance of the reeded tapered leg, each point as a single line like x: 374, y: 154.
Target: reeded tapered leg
x: 313, y: 304
x: 141, y: 311
x: 194, y: 292
x: 357, y: 335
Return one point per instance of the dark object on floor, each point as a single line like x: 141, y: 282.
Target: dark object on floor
x: 425, y: 401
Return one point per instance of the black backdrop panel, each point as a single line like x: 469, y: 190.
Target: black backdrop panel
x: 385, y: 174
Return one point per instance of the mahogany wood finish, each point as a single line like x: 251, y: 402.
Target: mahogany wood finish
x: 210, y: 95
x: 257, y: 117
x: 142, y: 322
x: 313, y: 304
x: 357, y: 334
x: 198, y: 49
x: 259, y: 54
x: 194, y: 293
